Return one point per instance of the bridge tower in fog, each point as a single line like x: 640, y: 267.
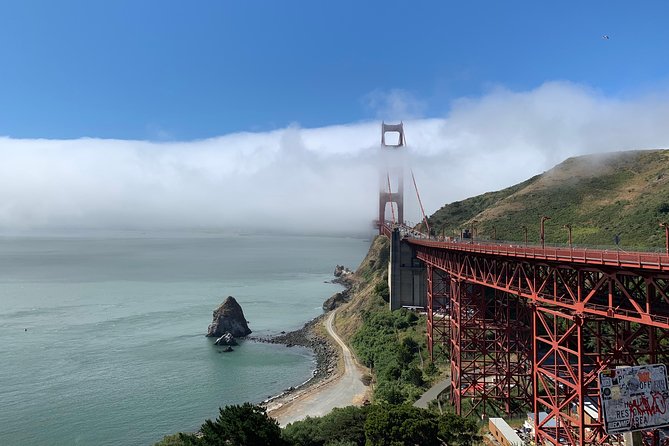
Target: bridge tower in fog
x: 394, y: 178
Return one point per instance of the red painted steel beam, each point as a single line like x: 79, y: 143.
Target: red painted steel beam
x: 586, y: 316
x: 634, y: 295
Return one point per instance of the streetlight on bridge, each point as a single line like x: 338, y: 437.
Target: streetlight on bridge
x: 525, y: 229
x: 494, y: 233
x: 568, y: 227
x: 542, y: 232
x: 666, y: 236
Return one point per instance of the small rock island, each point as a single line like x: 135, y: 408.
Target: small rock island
x: 228, y: 323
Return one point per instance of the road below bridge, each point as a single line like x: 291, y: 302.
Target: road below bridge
x: 343, y: 390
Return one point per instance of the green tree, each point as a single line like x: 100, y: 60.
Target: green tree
x: 341, y: 426
x: 245, y: 425
x: 345, y: 424
x: 171, y: 440
x: 412, y: 375
x: 401, y: 425
x: 390, y: 392
x: 457, y: 430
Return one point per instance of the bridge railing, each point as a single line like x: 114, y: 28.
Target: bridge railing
x: 602, y: 255
x: 616, y: 257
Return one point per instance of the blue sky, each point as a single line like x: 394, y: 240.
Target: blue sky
x: 168, y: 70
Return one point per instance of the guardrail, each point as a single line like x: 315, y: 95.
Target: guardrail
x: 647, y: 260
x: 619, y: 258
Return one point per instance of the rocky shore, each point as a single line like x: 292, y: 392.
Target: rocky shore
x: 308, y: 336
x: 325, y: 351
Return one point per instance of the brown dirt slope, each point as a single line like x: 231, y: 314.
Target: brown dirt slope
x: 372, y: 271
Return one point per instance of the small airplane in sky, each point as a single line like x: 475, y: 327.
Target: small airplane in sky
x: 605, y: 37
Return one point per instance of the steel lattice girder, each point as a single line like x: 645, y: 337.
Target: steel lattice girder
x: 571, y: 303
x: 569, y: 352
x: 626, y: 294
x: 438, y: 309
x: 490, y: 364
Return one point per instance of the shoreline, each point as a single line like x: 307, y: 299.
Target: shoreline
x: 326, y: 352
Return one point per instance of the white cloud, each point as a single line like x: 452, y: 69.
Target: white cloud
x: 319, y: 179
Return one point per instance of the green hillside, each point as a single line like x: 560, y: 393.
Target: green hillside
x: 625, y: 193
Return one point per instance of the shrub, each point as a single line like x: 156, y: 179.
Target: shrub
x: 236, y: 425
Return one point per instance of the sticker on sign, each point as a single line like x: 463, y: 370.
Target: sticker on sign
x: 634, y: 398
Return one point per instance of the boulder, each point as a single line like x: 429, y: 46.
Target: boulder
x: 229, y: 318
x: 335, y: 300
x: 342, y: 271
x: 226, y: 339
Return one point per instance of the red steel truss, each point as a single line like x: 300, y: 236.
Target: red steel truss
x: 438, y: 310
x: 585, y: 310
x: 490, y: 344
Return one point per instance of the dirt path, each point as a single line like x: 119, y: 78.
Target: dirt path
x: 343, y: 390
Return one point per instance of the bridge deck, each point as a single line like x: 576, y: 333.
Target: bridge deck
x: 621, y: 259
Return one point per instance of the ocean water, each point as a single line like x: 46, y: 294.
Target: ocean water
x: 102, y: 337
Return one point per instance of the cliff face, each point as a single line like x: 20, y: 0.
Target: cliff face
x: 229, y: 318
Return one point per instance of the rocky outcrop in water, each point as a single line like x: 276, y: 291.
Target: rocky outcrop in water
x: 342, y: 271
x: 343, y: 277
x: 335, y: 300
x: 229, y: 318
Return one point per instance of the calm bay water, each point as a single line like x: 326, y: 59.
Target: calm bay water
x: 115, y: 353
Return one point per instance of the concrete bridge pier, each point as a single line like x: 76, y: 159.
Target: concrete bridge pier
x: 406, y: 275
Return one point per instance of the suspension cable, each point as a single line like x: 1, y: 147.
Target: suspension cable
x: 420, y: 203
x: 390, y: 195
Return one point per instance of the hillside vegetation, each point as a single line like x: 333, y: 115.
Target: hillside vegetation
x: 624, y: 193
x: 392, y: 344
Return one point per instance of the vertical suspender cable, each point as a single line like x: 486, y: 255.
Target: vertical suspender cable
x: 420, y: 203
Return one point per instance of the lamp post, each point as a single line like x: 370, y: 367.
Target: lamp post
x: 542, y: 232
x: 666, y: 236
x: 525, y: 229
x: 494, y: 233
x: 474, y: 229
x: 568, y: 227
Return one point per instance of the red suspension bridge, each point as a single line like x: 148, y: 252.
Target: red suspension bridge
x: 531, y: 326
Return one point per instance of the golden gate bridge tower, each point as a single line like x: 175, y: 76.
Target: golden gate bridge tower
x: 394, y: 176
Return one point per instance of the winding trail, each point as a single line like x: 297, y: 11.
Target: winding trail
x: 343, y: 390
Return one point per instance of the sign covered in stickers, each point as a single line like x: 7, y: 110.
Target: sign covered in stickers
x: 634, y: 398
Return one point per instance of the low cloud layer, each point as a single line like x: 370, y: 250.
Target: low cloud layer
x: 316, y: 180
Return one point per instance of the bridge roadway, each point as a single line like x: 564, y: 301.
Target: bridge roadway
x: 552, y: 318
x: 617, y: 258
x: 503, y: 267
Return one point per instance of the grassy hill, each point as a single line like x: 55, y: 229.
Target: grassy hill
x: 625, y: 193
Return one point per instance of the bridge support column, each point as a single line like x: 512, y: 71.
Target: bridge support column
x: 438, y: 311
x: 406, y: 275
x: 570, y: 349
x: 456, y: 343
x: 490, y: 351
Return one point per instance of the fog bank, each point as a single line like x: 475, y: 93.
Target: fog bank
x: 314, y: 180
